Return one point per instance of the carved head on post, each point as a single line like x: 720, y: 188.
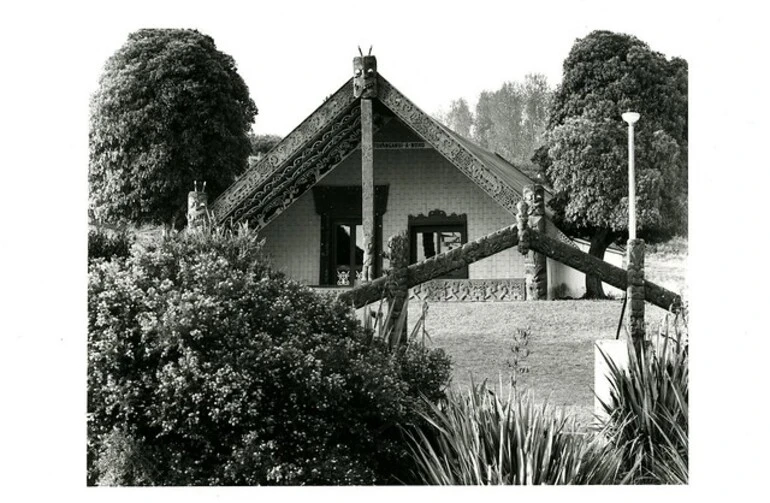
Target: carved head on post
x: 365, y: 75
x: 197, y: 205
x: 538, y: 200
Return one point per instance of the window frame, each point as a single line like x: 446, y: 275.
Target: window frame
x: 438, y: 221
x: 341, y: 205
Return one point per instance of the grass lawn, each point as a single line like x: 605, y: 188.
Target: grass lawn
x: 478, y: 336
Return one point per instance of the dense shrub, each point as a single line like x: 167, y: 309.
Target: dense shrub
x: 104, y: 243
x: 647, y: 414
x: 487, y: 437
x: 208, y: 367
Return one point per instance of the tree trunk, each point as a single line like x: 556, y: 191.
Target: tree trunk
x: 600, y: 241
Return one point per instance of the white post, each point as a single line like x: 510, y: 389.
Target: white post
x: 631, y: 118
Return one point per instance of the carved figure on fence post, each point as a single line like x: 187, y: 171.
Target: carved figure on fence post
x: 522, y: 224
x: 197, y: 206
x: 539, y: 261
x: 635, y: 292
x: 398, y: 283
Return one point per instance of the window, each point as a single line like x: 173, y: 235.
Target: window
x: 342, y: 232
x: 347, y: 252
x: 437, y: 233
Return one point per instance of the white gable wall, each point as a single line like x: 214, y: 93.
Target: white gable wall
x: 420, y: 180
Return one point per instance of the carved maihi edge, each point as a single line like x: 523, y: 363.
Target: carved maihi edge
x: 446, y: 145
x: 294, y: 142
x: 296, y: 177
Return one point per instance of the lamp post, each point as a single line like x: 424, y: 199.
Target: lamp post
x: 631, y: 118
x: 635, y: 269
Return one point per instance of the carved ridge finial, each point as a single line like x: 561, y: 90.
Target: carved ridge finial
x: 365, y: 75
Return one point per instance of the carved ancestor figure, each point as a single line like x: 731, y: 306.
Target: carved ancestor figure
x: 197, y: 206
x: 365, y: 76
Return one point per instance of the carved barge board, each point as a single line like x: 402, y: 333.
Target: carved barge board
x: 295, y: 142
x: 447, y: 146
x: 295, y: 178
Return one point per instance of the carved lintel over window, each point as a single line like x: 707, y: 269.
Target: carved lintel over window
x: 436, y: 233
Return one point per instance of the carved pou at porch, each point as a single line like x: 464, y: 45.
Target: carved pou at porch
x: 365, y: 76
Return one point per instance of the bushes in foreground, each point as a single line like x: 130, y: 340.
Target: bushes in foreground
x: 104, y: 243
x: 208, y: 367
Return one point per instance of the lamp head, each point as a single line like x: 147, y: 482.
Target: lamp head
x: 630, y: 117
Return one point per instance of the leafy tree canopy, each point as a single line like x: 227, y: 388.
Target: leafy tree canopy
x: 459, y: 118
x: 263, y: 143
x: 170, y: 109
x: 510, y: 121
x: 605, y: 75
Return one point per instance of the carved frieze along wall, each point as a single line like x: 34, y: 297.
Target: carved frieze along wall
x: 293, y: 179
x: 244, y: 188
x: 447, y: 146
x: 470, y: 290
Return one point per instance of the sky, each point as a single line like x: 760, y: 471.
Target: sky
x: 292, y: 55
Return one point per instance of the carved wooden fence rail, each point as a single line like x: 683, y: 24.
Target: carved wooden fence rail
x: 498, y: 241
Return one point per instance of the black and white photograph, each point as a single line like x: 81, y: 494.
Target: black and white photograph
x: 342, y: 245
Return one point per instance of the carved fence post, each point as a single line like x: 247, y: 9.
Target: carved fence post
x: 522, y: 225
x: 635, y: 292
x: 197, y: 206
x: 540, y: 264
x: 398, y: 283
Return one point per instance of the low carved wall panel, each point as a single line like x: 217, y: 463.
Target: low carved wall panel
x: 470, y: 290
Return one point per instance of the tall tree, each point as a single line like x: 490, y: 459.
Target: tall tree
x: 606, y: 74
x: 170, y: 109
x: 512, y: 120
x: 459, y: 118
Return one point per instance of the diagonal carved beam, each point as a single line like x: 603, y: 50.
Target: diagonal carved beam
x: 304, y: 134
x: 446, y: 145
x: 496, y: 242
x: 608, y: 273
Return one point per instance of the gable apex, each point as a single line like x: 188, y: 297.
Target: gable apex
x: 333, y: 131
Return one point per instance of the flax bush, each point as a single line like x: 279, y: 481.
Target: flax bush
x: 208, y: 367
x: 647, y: 413
x: 488, y: 437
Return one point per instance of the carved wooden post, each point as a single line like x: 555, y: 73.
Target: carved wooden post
x: 197, y: 206
x: 365, y: 87
x: 537, y: 222
x: 398, y: 281
x: 522, y: 225
x: 635, y: 292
